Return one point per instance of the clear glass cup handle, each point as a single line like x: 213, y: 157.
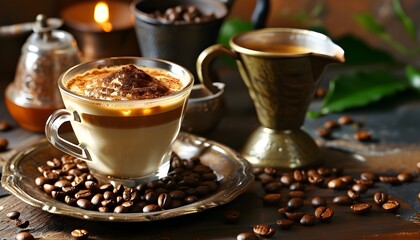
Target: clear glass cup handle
x: 54, y: 122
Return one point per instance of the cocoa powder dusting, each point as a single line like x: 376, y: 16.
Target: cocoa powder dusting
x: 129, y: 83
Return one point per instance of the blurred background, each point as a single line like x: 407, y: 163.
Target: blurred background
x: 337, y: 17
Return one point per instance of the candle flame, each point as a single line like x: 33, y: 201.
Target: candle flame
x: 101, y: 16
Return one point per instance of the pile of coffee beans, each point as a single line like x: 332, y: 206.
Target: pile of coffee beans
x: 285, y: 190
x: 182, y: 14
x: 68, y: 180
x: 361, y: 135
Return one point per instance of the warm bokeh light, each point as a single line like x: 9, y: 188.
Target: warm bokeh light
x: 101, y: 16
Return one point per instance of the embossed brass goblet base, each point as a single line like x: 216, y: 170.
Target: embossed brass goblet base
x: 281, y: 68
x: 281, y: 149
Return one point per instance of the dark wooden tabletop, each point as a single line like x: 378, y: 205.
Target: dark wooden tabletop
x: 395, y: 148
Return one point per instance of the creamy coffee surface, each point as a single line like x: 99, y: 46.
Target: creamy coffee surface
x: 124, y: 83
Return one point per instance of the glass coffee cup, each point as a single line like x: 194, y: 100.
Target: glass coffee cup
x: 122, y: 140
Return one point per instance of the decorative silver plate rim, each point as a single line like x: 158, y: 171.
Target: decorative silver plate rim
x: 217, y: 156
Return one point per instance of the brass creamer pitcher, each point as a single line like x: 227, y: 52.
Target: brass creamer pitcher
x: 281, y: 68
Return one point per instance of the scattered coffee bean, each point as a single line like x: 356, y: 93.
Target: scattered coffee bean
x: 368, y: 176
x: 405, y: 177
x: 342, y: 200
x: 22, y: 223
x: 295, y: 203
x: 362, y: 136
x: 13, y: 215
x: 232, y: 216
x: 345, y: 120
x: 337, y: 184
x: 359, y: 188
x: 294, y: 216
x: 389, y: 179
x: 285, y: 223
x: 391, y: 206
x: 324, y: 213
x: 324, y: 132
x: 361, y: 208
x: 246, y: 236
x: 296, y: 194
x: 307, y: 220
x: 264, y: 230
x: 380, y: 198
x: 318, y: 202
x: 3, y: 144
x: 353, y: 194
x: 24, y: 236
x: 272, y: 199
x: 331, y: 124
x: 273, y: 187
x: 80, y: 234
x: 5, y: 126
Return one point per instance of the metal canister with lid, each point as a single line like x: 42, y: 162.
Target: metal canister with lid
x: 34, y: 94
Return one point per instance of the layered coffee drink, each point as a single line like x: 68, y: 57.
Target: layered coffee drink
x: 125, y: 117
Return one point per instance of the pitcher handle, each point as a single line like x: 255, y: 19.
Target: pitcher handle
x: 204, y: 60
x: 54, y: 122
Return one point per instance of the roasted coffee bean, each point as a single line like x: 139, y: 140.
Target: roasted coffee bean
x: 232, y: 216
x: 48, y: 188
x: 295, y: 203
x: 345, y: 120
x: 22, y: 223
x: 80, y: 234
x: 84, y: 193
x: 264, y: 230
x: 84, y: 203
x: 405, y: 177
x: 151, y: 197
x: 299, y: 175
x: 366, y: 182
x: 353, y: 194
x: 62, y: 183
x: 307, y: 220
x: 286, y: 180
x: 120, y: 209
x: 296, y: 194
x: 58, y: 194
x: 380, y: 198
x: 318, y: 202
x: 294, y: 216
x: 69, y: 190
x: 151, y: 208
x: 369, y: 176
x: 24, y: 236
x: 92, y: 186
x: 337, y: 184
x: 13, y: 215
x: 273, y: 187
x: 54, y: 163
x: 361, y: 208
x: 164, y: 200
x: 70, y: 200
x: 246, y: 236
x: 5, y: 126
x: 324, y: 213
x: 109, y: 195
x: 347, y: 179
x: 272, y: 199
x: 360, y: 188
x: 118, y: 189
x: 50, y: 175
x: 97, y: 199
x: 283, y: 210
x: 284, y: 223
x: 40, y: 181
x: 342, y: 200
x: 324, y: 132
x: 297, y: 186
x: 362, y: 136
x: 389, y: 179
x: 391, y: 206
x: 177, y: 194
x: 331, y: 124
x: 106, y: 187
x: 108, y: 203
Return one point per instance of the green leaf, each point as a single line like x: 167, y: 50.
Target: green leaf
x: 404, y: 19
x: 358, y: 52
x: 369, y: 23
x: 413, y: 76
x: 359, y: 89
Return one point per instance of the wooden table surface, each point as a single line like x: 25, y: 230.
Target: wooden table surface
x: 394, y: 124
